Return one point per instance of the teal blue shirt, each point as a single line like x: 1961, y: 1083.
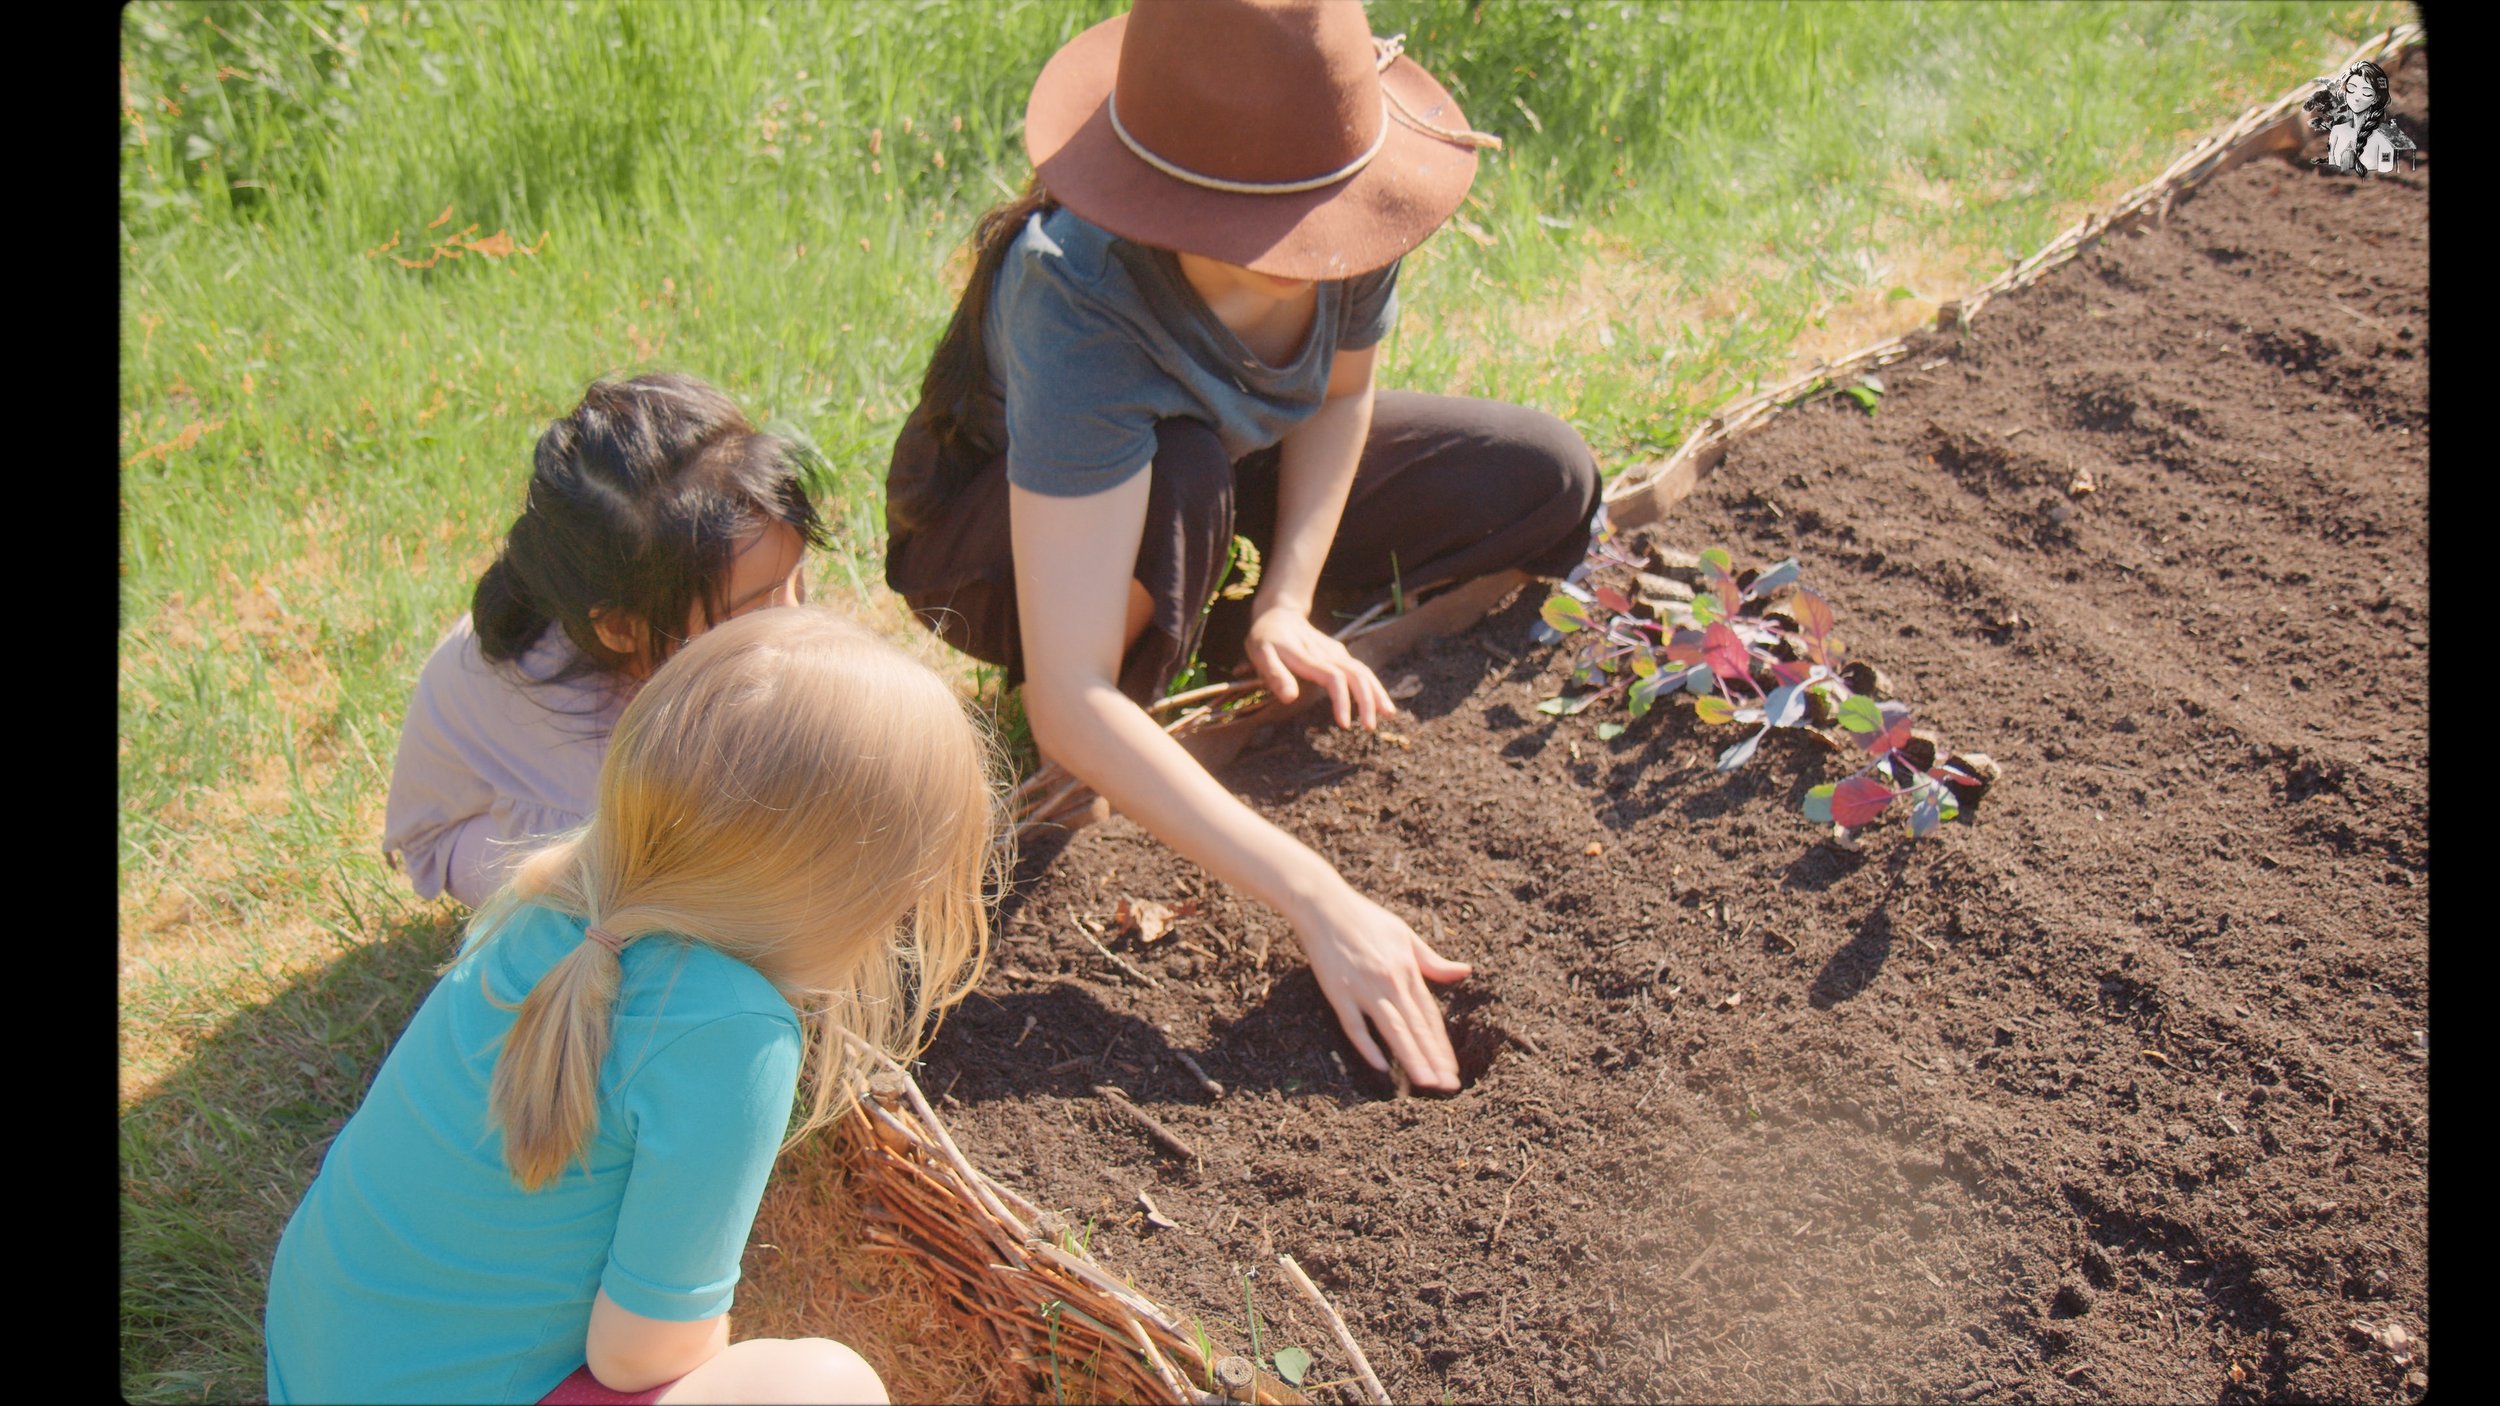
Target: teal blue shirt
x: 416, y: 1268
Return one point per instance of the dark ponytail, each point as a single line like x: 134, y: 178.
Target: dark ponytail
x: 959, y: 370
x: 638, y: 501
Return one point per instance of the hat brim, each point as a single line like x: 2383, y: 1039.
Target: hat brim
x: 1348, y: 227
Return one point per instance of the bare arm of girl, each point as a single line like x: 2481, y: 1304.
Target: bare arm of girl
x: 628, y: 1352
x: 1315, y: 470
x: 1072, y: 559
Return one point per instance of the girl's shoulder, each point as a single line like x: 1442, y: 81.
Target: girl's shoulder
x: 1059, y: 243
x: 458, y: 681
x: 673, y: 981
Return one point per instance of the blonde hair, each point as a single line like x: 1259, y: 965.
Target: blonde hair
x: 796, y: 794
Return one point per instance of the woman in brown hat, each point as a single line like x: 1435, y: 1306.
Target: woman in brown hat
x: 1169, y: 341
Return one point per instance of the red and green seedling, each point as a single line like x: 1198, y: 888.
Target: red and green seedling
x: 1745, y: 660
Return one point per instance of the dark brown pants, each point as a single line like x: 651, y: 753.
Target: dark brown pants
x: 1449, y: 489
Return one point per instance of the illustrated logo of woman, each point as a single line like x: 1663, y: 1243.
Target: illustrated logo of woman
x: 2363, y: 138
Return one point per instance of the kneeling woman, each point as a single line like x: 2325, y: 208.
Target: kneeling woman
x: 1168, y: 341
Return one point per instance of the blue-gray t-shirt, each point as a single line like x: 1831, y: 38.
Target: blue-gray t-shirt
x: 416, y: 1269
x: 1092, y: 339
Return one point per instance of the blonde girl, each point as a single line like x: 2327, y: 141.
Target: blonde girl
x: 546, y: 1193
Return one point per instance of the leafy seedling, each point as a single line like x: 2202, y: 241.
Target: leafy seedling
x: 1866, y: 390
x: 1749, y: 658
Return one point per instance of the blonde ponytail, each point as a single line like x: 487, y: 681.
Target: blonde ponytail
x: 545, y: 1094
x: 798, y: 795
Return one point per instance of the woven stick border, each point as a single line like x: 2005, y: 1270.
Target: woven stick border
x: 1071, y: 1327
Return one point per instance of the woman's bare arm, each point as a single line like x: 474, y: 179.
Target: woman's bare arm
x: 1315, y: 471
x: 1073, y: 578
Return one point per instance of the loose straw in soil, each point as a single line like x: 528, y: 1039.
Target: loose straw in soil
x: 1048, y: 1308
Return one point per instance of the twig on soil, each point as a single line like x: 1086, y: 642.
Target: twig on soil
x: 1171, y: 1140
x: 1214, y: 1089
x: 1522, y: 1041
x: 1345, y: 1339
x: 2357, y: 313
x: 1690, y: 1269
x: 1527, y: 1164
x: 1359, y: 621
x: 1653, y: 1088
x: 1200, y: 695
x: 1115, y: 958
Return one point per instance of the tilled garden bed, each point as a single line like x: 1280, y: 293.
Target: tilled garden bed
x: 2117, y: 1089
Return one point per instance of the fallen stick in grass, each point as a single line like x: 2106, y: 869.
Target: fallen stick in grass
x: 1345, y: 1338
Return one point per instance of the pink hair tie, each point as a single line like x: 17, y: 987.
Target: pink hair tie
x: 606, y: 939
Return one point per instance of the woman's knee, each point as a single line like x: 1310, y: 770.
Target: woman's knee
x: 1547, y: 453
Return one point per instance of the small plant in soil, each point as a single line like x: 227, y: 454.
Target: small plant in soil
x: 1754, y: 649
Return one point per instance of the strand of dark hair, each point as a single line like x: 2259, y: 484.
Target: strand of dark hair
x: 960, y: 366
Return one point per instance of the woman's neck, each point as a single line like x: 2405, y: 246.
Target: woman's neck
x: 1271, y: 316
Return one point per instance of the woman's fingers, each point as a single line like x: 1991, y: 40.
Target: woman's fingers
x: 1383, y: 706
x: 1340, y: 695
x: 1436, y: 967
x: 1350, y: 1020
x: 1273, y: 673
x: 1421, y: 1046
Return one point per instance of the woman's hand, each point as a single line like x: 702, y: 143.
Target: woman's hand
x: 1283, y: 644
x: 1373, y: 966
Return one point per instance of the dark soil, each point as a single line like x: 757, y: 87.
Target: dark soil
x: 2117, y: 1090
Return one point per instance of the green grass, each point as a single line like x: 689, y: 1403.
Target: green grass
x: 322, y: 443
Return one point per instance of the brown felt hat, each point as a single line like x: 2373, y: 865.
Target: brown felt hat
x: 1269, y: 134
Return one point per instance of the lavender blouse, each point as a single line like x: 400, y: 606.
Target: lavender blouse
x: 491, y: 759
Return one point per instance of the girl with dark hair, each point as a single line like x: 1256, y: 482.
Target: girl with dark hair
x: 1169, y: 341
x: 654, y: 512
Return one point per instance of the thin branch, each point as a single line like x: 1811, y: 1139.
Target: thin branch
x: 1345, y: 1339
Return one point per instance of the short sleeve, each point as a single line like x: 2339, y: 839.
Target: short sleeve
x: 1371, y: 308
x: 1072, y: 377
x: 709, y: 1112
